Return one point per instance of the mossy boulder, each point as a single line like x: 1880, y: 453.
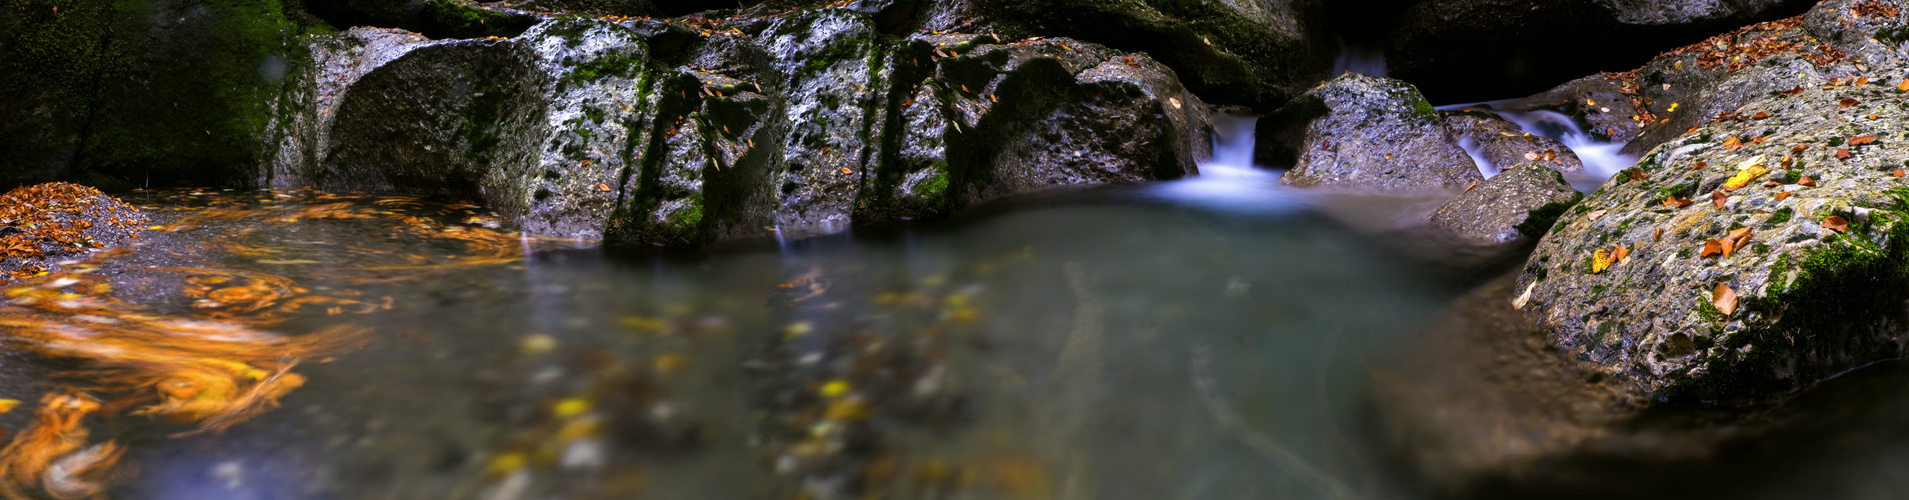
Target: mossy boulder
x: 1514, y: 205
x: 143, y: 92
x: 972, y: 118
x: 1359, y: 132
x: 1817, y: 261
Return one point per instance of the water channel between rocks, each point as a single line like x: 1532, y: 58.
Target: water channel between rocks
x: 1209, y: 338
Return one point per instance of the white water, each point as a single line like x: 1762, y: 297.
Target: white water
x: 1601, y: 158
x: 1365, y: 60
x: 1478, y: 156
x: 1229, y: 180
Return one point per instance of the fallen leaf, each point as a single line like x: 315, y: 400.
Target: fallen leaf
x: 1760, y: 115
x: 1733, y: 143
x: 1904, y: 86
x: 1523, y: 298
x: 846, y: 171
x: 1473, y: 185
x: 1897, y: 172
x: 1601, y: 261
x: 1678, y: 201
x: 1744, y: 177
x: 1712, y: 248
x: 1806, y: 182
x: 1861, y: 140
x: 1620, y: 253
x: 1700, y: 166
x: 1736, y: 240
x: 1836, y: 223
x: 1862, y: 80
x: 1594, y: 214
x: 1718, y: 198
x: 603, y: 187
x: 1783, y: 195
x: 1772, y: 184
x: 1847, y: 102
x: 1657, y: 234
x: 1725, y: 299
x: 1799, y: 148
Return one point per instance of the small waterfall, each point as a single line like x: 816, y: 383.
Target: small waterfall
x: 1601, y: 158
x: 1229, y: 180
x: 1359, y: 59
x: 1478, y: 156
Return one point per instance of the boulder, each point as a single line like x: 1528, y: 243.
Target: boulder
x: 1788, y: 268
x: 1599, y: 101
x: 1475, y: 50
x: 1365, y: 133
x: 980, y: 120
x: 1496, y: 143
x: 129, y: 94
x: 1516, y: 204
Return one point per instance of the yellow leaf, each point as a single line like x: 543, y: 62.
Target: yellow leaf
x: 1601, y: 260
x: 1744, y: 177
x: 7, y: 405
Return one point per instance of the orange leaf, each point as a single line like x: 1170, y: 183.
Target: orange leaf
x: 1657, y: 234
x: 1897, y: 173
x: 1678, y: 201
x: 1862, y: 80
x: 846, y: 171
x: 1618, y: 254
x: 1807, y: 182
x: 603, y: 187
x: 1847, y: 102
x: 1861, y: 140
x: 1760, y: 115
x: 1783, y: 195
x: 1718, y: 198
x: 1724, y: 298
x: 1842, y: 153
x: 1799, y: 148
x: 1699, y: 166
x: 1736, y: 240
x: 1836, y: 223
x: 1904, y: 86
x: 1772, y: 184
x: 1711, y: 248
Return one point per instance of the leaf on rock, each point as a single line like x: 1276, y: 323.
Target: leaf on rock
x: 1601, y: 260
x: 1712, y: 248
x: 1620, y: 253
x: 1799, y: 148
x: 1736, y: 240
x: 1861, y: 140
x: 1806, y: 182
x: 1724, y: 298
x: 1760, y: 115
x: 1847, y: 102
x: 1744, y: 177
x: 1657, y: 234
x: 1904, y: 86
x: 1700, y: 166
x: 1678, y: 201
x: 1782, y: 196
x: 1836, y: 223
x: 1842, y: 153
x: 1595, y: 214
x: 1718, y: 198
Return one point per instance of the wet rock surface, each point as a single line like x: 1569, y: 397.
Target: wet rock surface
x: 1503, y: 145
x: 1360, y: 132
x: 1516, y: 204
x: 1473, y: 50
x: 1759, y: 255
x: 44, y: 226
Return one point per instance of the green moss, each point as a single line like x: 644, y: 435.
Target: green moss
x: 1539, y: 220
x: 689, y: 216
x: 1780, y: 216
x: 936, y: 185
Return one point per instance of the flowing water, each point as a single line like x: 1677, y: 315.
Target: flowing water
x: 1198, y: 339
x: 1602, y: 159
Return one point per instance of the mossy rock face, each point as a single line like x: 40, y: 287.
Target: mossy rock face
x: 596, y: 116
x: 973, y: 119
x: 1813, y: 300
x: 829, y: 58
x: 1358, y: 132
x: 1498, y: 210
x: 131, y: 93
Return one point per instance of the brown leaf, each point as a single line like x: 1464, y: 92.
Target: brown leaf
x: 1861, y: 140
x: 1725, y: 299
x: 1595, y: 214
x: 1807, y: 182
x: 1733, y: 143
x: 1620, y: 253
x: 1638, y: 174
x: 1842, y: 153
x: 1799, y: 89
x: 1772, y: 184
x: 1699, y: 166
x: 1760, y: 115
x: 1736, y: 240
x: 1712, y: 248
x: 1836, y: 223
x: 1897, y: 173
x: 1657, y: 234
x: 1904, y: 86
x: 846, y: 171
x: 603, y: 187
x: 1862, y: 80
x: 1678, y: 201
x: 1783, y: 195
x: 1847, y: 102
x: 1799, y: 148
x: 1718, y: 198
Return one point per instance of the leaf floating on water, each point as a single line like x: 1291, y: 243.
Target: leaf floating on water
x: 1836, y: 223
x: 1725, y: 299
x: 1601, y: 260
x: 287, y: 262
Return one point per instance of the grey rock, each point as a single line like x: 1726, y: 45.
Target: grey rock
x: 1361, y: 132
x: 1529, y: 195
x: 1813, y: 301
x: 1502, y: 144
